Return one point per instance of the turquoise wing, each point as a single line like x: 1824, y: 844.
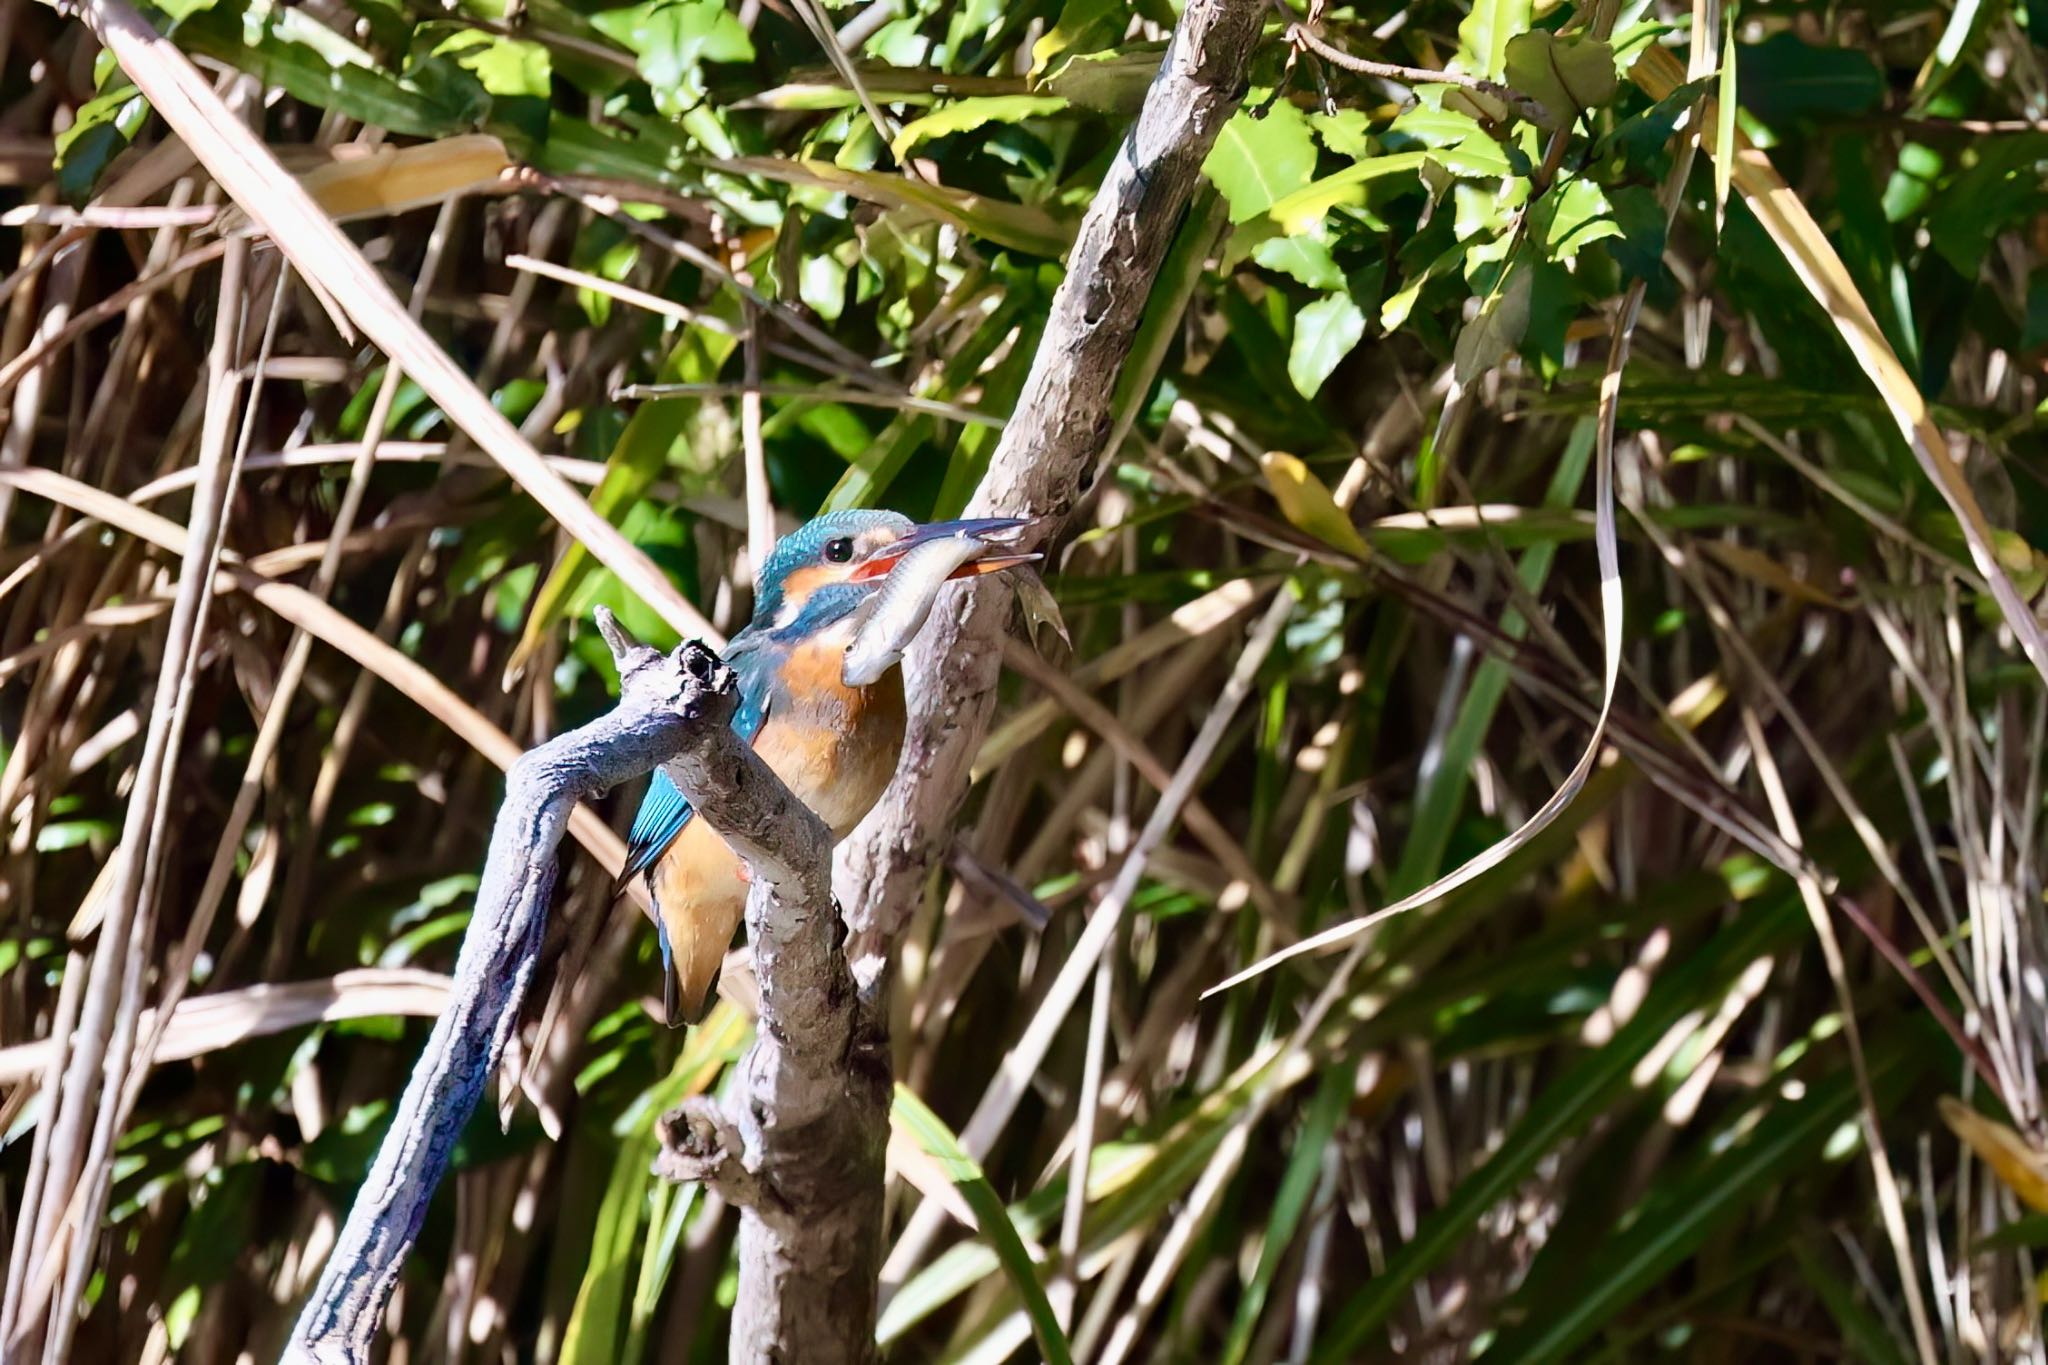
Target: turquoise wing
x: 664, y: 810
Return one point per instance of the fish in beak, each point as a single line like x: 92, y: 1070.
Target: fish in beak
x: 989, y: 534
x: 911, y: 572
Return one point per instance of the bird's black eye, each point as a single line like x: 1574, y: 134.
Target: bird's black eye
x: 839, y: 549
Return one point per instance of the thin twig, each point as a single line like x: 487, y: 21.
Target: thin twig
x: 1298, y: 35
x: 821, y: 393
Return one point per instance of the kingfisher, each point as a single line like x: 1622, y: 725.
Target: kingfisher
x: 834, y: 745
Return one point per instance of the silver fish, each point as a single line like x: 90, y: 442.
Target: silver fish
x: 890, y: 619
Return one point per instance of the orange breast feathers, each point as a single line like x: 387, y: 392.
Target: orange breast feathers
x: 835, y: 747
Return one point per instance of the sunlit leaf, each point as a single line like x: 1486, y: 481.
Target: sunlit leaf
x: 1324, y: 333
x: 1258, y: 161
x: 963, y: 116
x: 1306, y: 502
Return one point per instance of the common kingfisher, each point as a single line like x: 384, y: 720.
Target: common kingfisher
x: 835, y: 746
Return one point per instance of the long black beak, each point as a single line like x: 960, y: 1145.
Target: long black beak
x: 994, y: 532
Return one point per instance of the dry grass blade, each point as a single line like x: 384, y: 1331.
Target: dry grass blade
x: 331, y: 627
x: 1813, y: 258
x: 208, y: 1023
x: 277, y: 203
x: 1606, y: 543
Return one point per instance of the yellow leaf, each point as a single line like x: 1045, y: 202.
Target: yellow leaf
x: 1307, y: 504
x: 395, y: 179
x: 2011, y: 1157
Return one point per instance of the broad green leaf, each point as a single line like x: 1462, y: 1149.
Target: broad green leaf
x: 1567, y: 76
x: 1083, y: 26
x: 1483, y: 35
x: 1324, y: 333
x: 1308, y: 206
x: 1305, y: 257
x: 930, y: 1133
x: 1307, y: 504
x: 1111, y: 82
x: 99, y: 132
x: 1347, y: 132
x: 505, y: 66
x: 287, y: 49
x: 2003, y: 187
x: 1639, y: 244
x: 1493, y: 336
x: 964, y: 116
x: 672, y: 39
x: 1572, y: 216
x: 1257, y: 162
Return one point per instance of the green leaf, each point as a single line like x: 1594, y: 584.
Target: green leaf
x: 1307, y: 207
x: 1484, y: 34
x: 1862, y: 1330
x: 1324, y: 333
x: 1257, y: 162
x: 672, y: 41
x: 656, y: 433
x: 938, y: 1142
x: 102, y: 130
x: 1567, y: 76
x: 1751, y: 1156
x: 1573, y: 215
x: 1492, y: 336
x: 1305, y: 257
x: 1083, y: 26
x: 964, y: 116
x: 2028, y: 1230
x: 308, y: 61
x: 1968, y: 24
x: 593, y: 1330
x: 1304, y: 1166
x: 504, y: 66
x: 2002, y: 188
x: 1111, y: 82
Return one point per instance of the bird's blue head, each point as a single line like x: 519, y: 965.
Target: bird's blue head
x: 822, y: 571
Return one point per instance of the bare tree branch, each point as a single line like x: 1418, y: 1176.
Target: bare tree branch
x: 1064, y: 418
x: 1048, y: 452
x: 800, y: 1151
x: 669, y: 705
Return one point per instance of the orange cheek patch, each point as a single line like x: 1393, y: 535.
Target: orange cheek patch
x: 801, y: 583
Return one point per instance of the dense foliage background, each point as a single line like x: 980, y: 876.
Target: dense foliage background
x: 1670, y: 1080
